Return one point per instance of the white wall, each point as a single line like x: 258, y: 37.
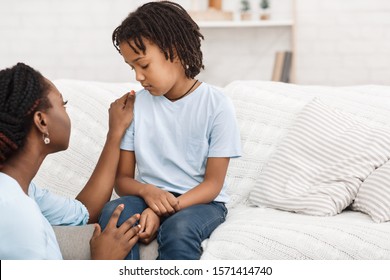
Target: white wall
x: 338, y: 42
x: 343, y: 42
x: 72, y: 39
x: 64, y: 39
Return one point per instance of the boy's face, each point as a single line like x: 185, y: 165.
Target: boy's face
x: 155, y: 73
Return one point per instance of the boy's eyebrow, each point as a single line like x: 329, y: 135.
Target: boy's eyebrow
x: 135, y: 60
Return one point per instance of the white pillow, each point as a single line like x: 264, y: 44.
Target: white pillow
x: 264, y: 118
x: 373, y: 197
x: 321, y: 163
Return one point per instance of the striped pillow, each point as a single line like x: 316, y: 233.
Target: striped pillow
x: 321, y: 163
x: 373, y: 197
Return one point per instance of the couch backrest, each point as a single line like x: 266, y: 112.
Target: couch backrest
x: 265, y: 112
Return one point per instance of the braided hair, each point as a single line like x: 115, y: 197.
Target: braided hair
x: 167, y: 25
x: 23, y: 91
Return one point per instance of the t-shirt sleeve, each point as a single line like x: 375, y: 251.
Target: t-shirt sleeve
x: 225, y: 138
x: 59, y: 210
x: 128, y: 139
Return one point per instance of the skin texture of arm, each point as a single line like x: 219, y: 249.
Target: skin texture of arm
x: 211, y: 186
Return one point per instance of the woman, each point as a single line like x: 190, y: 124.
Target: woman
x: 33, y: 124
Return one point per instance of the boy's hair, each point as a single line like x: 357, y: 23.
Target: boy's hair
x: 23, y: 91
x: 167, y: 25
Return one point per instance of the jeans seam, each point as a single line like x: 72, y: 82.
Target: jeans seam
x: 221, y: 218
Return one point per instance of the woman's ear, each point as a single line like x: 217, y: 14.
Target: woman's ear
x: 40, y: 121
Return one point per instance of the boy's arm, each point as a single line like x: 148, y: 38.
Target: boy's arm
x: 125, y: 182
x: 161, y: 202
x: 211, y: 186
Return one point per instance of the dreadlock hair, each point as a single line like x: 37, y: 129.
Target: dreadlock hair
x: 23, y: 91
x: 167, y: 25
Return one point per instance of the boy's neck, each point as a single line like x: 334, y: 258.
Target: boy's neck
x: 190, y: 89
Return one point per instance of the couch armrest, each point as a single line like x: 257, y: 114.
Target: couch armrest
x: 74, y: 241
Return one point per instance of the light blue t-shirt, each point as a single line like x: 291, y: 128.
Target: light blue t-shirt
x: 172, y: 140
x: 26, y: 221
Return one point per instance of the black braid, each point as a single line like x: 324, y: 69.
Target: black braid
x: 170, y: 27
x: 23, y: 91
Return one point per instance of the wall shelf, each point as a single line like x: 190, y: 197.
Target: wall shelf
x: 247, y: 46
x: 249, y: 23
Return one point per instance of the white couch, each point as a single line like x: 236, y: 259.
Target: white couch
x: 265, y: 112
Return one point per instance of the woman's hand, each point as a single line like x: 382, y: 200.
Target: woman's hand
x: 114, y: 243
x: 150, y: 223
x: 163, y: 203
x: 121, y: 113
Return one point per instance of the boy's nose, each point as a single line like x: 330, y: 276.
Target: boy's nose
x: 139, y: 77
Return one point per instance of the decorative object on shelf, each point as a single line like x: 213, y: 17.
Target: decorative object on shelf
x: 245, y: 10
x: 211, y: 15
x: 214, y: 12
x: 264, y: 5
x: 282, y: 67
x: 215, y: 4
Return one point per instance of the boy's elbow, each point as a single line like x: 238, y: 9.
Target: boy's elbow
x: 118, y: 187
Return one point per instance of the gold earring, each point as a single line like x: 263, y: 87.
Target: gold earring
x: 46, y: 138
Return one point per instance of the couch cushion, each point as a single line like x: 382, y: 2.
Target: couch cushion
x: 264, y: 118
x: 74, y: 241
x: 269, y: 234
x: 321, y: 163
x: 373, y: 197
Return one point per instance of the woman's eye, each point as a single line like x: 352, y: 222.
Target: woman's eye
x: 64, y: 103
x: 144, y: 66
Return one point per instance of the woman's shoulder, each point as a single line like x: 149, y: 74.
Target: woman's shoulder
x: 21, y: 227
x: 17, y: 204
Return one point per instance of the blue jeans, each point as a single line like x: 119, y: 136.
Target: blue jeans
x: 180, y: 235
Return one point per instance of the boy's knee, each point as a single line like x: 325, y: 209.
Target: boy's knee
x: 132, y: 205
x: 107, y: 211
x: 111, y: 206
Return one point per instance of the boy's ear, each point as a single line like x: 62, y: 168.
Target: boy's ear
x: 40, y: 121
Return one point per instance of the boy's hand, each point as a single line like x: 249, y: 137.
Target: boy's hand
x: 150, y: 223
x: 163, y: 203
x: 114, y: 243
